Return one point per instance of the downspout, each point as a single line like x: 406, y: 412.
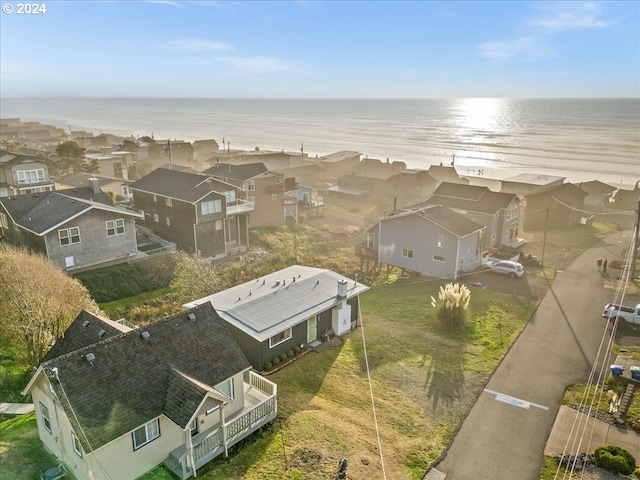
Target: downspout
x: 195, y: 237
x: 224, y: 431
x: 187, y: 432
x: 455, y: 271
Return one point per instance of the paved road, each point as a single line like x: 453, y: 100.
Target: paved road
x: 501, y: 438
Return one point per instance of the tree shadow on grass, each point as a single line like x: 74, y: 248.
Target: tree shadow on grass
x: 444, y: 381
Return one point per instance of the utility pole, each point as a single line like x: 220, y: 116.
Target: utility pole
x: 544, y: 238
x: 634, y: 245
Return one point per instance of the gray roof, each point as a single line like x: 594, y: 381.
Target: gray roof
x: 446, y: 218
x: 237, y: 172
x: 339, y: 156
x: 534, y: 179
x: 86, y: 329
x: 132, y: 380
x: 9, y: 159
x: 471, y: 198
x: 188, y: 187
x: 268, y: 305
x: 41, y: 212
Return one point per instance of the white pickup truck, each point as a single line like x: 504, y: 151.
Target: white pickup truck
x: 629, y: 314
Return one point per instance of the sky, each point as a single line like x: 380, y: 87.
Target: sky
x: 320, y: 49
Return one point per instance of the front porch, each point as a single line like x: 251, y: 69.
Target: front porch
x: 260, y: 407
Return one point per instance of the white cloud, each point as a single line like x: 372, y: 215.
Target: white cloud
x: 196, y: 45
x: 524, y: 48
x: 256, y: 64
x: 172, y: 3
x: 563, y: 16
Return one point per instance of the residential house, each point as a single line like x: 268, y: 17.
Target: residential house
x: 411, y: 186
x: 23, y: 174
x: 203, y: 150
x: 272, y: 160
x: 197, y: 212
x: 177, y: 151
x: 303, y: 201
x: 598, y: 194
x: 372, y: 167
x: 263, y: 188
x: 296, y: 306
x: 498, y: 212
x: 527, y: 183
x: 119, y: 186
x: 558, y: 207
x: 113, y: 402
x: 74, y: 229
x: 445, y: 173
x: 114, y: 166
x: 432, y: 240
x: 312, y: 175
x: 340, y: 163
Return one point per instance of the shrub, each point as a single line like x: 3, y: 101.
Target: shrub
x: 615, y: 459
x: 290, y: 353
x: 276, y: 361
x: 268, y: 366
x: 283, y: 356
x: 296, y: 349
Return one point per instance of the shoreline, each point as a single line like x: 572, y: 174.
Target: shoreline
x: 466, y: 166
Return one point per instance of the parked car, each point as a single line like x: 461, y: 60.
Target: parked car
x: 614, y: 310
x: 507, y: 267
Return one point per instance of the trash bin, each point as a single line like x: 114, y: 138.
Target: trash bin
x: 635, y: 372
x: 616, y: 370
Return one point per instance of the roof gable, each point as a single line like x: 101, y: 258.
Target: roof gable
x: 442, y: 216
x: 125, y: 382
x: 189, y: 187
x: 471, y: 198
x: 237, y: 172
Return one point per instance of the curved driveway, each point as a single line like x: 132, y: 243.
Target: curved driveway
x: 504, y: 435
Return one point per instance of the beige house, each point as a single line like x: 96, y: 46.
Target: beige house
x: 22, y: 174
x: 114, y: 403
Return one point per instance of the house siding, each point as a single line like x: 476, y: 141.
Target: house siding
x: 95, y: 245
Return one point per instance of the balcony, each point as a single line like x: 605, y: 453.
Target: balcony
x: 363, y: 251
x: 239, y: 206
x: 260, y: 407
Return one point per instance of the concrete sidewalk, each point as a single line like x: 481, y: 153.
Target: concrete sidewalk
x: 596, y: 434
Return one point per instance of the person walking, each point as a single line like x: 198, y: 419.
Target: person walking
x: 604, y: 265
x: 599, y: 262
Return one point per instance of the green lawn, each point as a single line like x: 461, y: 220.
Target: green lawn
x: 423, y: 381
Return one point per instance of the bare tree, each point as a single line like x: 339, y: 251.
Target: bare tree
x: 37, y: 302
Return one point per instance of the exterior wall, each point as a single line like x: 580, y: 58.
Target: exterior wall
x: 258, y: 353
x: 10, y: 176
x: 421, y: 236
x: 268, y: 209
x: 95, y: 246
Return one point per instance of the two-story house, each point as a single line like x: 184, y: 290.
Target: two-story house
x: 263, y: 188
x: 74, y: 228
x: 432, y: 240
x: 498, y: 212
x: 113, y: 402
x: 197, y: 212
x: 22, y: 174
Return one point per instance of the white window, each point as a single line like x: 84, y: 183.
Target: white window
x: 279, y: 338
x: 125, y: 191
x: 230, y: 196
x: 26, y: 177
x: 76, y: 445
x: 167, y: 221
x: 212, y: 206
x: 155, y: 197
x: 370, y: 240
x: 438, y: 258
x: 146, y: 434
x: 115, y: 227
x: 218, y: 225
x: 440, y: 240
x: 69, y: 236
x: 226, y: 387
x: 46, y: 421
x: 4, y: 223
x: 251, y: 184
x: 156, y: 217
x: 193, y: 426
x: 407, y: 252
x: 169, y: 202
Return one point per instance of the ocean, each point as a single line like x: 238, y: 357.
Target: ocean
x: 581, y: 139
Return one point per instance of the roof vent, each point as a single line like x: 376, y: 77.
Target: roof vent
x: 145, y: 335
x: 191, y: 316
x: 101, y: 333
x: 85, y: 323
x: 90, y: 357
